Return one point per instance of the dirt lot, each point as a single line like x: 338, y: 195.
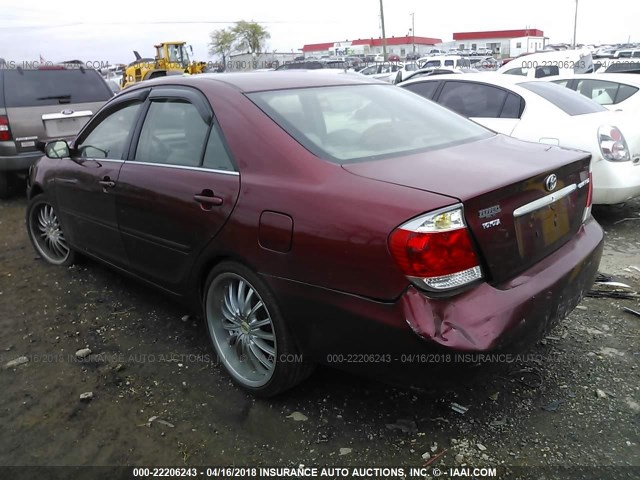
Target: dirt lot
x: 574, y: 401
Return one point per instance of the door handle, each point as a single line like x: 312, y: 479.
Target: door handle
x: 107, y: 183
x: 207, y: 199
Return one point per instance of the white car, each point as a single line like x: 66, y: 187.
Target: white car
x: 546, y: 64
x: 446, y: 61
x: 543, y: 112
x: 614, y: 91
x: 385, y: 71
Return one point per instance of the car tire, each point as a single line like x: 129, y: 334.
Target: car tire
x: 5, y: 188
x: 46, y: 234
x: 249, y: 333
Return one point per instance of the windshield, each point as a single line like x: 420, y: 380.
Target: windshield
x: 570, y: 102
x: 352, y: 123
x: 178, y: 54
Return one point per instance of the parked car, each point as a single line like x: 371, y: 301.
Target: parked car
x: 446, y: 61
x: 614, y: 91
x: 305, y: 65
x: 627, y: 53
x: 382, y: 71
x: 392, y: 57
x: 546, y: 64
x: 412, y: 56
x: 617, y: 66
x: 540, y: 111
x: 208, y: 187
x: 40, y: 104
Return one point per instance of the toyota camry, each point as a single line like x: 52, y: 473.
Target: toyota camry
x: 317, y: 218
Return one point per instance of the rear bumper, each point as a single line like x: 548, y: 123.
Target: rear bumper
x: 19, y: 162
x: 615, y: 182
x: 327, y: 323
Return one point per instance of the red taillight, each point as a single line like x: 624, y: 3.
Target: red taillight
x: 435, y: 250
x: 5, y: 131
x: 432, y: 254
x: 590, y: 191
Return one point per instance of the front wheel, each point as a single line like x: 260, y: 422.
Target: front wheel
x: 249, y: 333
x: 45, y: 232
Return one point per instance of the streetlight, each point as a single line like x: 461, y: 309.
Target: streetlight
x: 413, y: 31
x: 575, y: 25
x: 384, y: 38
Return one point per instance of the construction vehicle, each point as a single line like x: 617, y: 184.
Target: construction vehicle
x: 171, y: 58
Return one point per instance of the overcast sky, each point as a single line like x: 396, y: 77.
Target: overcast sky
x: 110, y: 30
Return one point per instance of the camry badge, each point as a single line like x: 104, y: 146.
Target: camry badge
x: 550, y: 182
x: 489, y: 212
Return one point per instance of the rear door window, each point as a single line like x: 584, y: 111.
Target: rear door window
x: 216, y: 155
x: 173, y: 133
x: 473, y: 99
x: 35, y: 88
x: 513, y: 106
x: 424, y: 89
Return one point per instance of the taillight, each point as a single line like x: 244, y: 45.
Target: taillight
x: 587, y: 207
x: 612, y: 144
x: 435, y: 250
x: 5, y: 132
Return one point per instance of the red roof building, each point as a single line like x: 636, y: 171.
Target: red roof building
x: 503, y: 42
x: 395, y: 45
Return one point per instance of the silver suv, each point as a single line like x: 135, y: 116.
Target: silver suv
x: 41, y: 104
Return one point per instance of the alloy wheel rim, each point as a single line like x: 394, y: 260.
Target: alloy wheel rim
x: 242, y: 329
x: 48, y: 235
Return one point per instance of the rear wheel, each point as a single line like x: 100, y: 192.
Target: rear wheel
x: 45, y: 232
x: 249, y: 333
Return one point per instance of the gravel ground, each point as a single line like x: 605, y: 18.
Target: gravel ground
x: 569, y: 406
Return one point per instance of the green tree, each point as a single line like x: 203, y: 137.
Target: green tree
x: 222, y: 43
x: 250, y: 36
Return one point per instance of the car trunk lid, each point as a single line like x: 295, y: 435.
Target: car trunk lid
x: 516, y: 212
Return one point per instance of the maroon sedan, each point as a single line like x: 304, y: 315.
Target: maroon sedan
x: 321, y: 218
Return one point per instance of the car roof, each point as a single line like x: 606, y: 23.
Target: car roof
x: 628, y: 78
x: 274, y: 80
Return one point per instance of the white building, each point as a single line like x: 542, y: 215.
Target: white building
x: 505, y: 43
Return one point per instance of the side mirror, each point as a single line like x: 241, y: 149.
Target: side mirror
x: 57, y: 149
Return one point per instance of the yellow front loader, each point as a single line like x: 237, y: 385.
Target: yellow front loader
x: 171, y: 58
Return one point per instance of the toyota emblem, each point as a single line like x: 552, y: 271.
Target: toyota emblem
x: 550, y: 182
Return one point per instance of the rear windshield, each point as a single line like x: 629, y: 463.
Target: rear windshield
x: 35, y: 88
x: 570, y: 102
x: 351, y: 123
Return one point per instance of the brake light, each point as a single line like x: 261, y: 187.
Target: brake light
x: 587, y: 208
x: 435, y: 250
x: 613, y: 146
x: 5, y: 131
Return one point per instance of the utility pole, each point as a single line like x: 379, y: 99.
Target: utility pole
x: 413, y: 30
x: 384, y: 37
x: 575, y: 25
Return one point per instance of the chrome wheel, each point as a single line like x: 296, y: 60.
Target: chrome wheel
x: 242, y: 329
x: 47, y: 234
